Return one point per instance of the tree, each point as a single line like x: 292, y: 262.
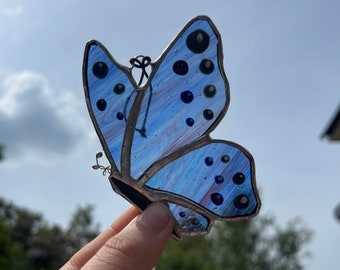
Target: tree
x: 191, y: 253
x: 81, y: 229
x: 5, y: 247
x: 248, y: 244
x: 19, y: 224
x: 48, y: 248
x: 27, y: 241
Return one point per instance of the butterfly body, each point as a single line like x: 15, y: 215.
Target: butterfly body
x: 156, y: 135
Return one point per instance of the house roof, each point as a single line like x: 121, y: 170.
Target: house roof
x: 332, y: 131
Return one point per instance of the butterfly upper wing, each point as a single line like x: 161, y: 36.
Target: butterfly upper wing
x: 110, y: 91
x: 186, y: 96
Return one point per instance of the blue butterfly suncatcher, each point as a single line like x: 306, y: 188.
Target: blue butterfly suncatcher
x: 155, y: 134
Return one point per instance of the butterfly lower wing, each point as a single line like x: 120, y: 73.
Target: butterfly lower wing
x: 109, y: 96
x: 215, y: 179
x: 186, y: 97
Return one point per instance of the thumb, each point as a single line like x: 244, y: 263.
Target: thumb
x: 139, y: 245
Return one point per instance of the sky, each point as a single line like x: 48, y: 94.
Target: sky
x: 282, y: 60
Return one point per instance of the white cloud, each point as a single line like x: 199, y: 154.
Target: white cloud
x: 37, y: 121
x: 14, y: 11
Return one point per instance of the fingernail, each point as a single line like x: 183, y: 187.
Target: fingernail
x: 155, y: 217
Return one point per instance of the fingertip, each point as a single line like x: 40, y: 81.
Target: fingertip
x: 156, y: 218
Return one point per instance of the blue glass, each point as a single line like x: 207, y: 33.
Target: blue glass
x: 189, y: 220
x: 156, y: 135
x: 102, y: 88
x: 168, y: 113
x: 191, y: 176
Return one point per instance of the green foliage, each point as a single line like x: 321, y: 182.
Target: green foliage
x: 288, y: 244
x: 81, y: 228
x: 5, y: 247
x: 190, y: 254
x: 29, y: 242
x: 256, y: 244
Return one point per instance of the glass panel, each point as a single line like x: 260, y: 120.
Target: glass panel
x: 188, y: 93
x: 110, y: 94
x: 189, y: 220
x: 217, y: 176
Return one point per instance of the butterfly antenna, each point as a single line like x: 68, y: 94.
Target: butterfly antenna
x: 142, y: 64
x: 98, y: 166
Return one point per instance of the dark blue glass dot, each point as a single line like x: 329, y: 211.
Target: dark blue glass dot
x: 208, y: 114
x: 180, y: 67
x: 120, y: 116
x: 190, y: 122
x: 101, y: 104
x: 210, y: 91
x: 217, y: 198
x: 206, y: 66
x: 219, y: 179
x: 187, y: 96
x: 239, y: 178
x: 241, y: 202
x: 225, y: 158
x: 119, y: 88
x: 182, y: 214
x: 198, y: 41
x: 100, y: 70
x: 208, y: 161
x: 195, y: 222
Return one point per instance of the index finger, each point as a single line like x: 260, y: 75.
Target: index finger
x: 87, y: 252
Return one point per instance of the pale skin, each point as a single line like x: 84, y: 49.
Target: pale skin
x: 134, y: 241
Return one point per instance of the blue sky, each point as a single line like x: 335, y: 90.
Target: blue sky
x: 282, y: 60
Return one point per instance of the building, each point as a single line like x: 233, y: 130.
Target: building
x: 332, y: 131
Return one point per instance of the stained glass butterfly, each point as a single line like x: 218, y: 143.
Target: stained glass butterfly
x: 155, y: 134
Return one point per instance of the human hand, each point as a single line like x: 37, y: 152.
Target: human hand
x: 134, y: 241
